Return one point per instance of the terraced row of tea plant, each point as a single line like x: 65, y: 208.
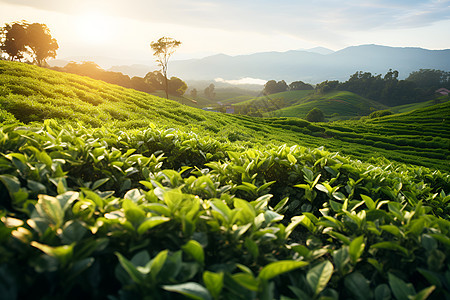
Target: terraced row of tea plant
x: 423, y: 132
x: 29, y: 93
x: 89, y: 213
x: 337, y: 105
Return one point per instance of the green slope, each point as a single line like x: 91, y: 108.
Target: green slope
x: 413, y: 106
x: 283, y: 99
x: 171, y: 202
x: 335, y: 105
x: 30, y: 93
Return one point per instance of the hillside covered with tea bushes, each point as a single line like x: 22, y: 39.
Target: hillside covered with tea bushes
x: 29, y: 93
x: 156, y: 206
x: 95, y: 212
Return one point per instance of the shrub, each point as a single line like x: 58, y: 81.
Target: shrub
x: 380, y: 113
x: 315, y: 115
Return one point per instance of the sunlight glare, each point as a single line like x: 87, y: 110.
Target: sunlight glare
x: 95, y: 28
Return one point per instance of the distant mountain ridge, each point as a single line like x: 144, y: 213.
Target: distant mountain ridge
x: 310, y: 65
x: 313, y: 67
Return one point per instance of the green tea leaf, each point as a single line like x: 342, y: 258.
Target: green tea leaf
x: 50, y: 208
x: 158, y: 261
x: 279, y: 267
x: 291, y: 159
x: 358, y: 285
x: 213, y: 282
x: 194, y: 249
x: 400, y: 289
x: 392, y: 229
x: 390, y: 246
x: 369, y: 202
x: 11, y: 183
x: 246, y: 280
x: 62, y: 253
x: 191, y: 290
x: 423, y: 294
x: 382, y: 292
x: 356, y: 248
x: 99, y: 183
x: 280, y: 205
x: 319, y: 276
x: 130, y: 268
x: 341, y: 259
x: 246, y: 213
x: 151, y: 222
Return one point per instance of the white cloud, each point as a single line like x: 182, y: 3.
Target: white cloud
x: 246, y: 80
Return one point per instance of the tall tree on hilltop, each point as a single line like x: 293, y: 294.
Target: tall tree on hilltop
x: 163, y: 50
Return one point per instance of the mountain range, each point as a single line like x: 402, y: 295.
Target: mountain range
x: 312, y: 65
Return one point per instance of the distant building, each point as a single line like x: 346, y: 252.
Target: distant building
x: 442, y: 91
x: 229, y: 109
x: 209, y: 109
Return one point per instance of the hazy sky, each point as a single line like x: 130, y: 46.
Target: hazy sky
x: 124, y: 29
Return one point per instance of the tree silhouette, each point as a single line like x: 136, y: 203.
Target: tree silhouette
x: 272, y: 87
x: 315, y: 115
x: 13, y: 39
x: 177, y: 86
x: 194, y: 93
x: 155, y: 79
x: 20, y: 38
x: 209, y: 91
x: 163, y: 50
x: 41, y: 43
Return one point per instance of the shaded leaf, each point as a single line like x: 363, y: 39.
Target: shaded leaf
x: 191, y: 290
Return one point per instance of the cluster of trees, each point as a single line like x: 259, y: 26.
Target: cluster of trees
x: 388, y: 89
x: 22, y: 40
x: 273, y: 87
x: 257, y: 108
x: 209, y: 92
x: 152, y: 81
x: 157, y: 81
x: 430, y: 79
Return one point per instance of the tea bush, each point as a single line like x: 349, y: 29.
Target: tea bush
x: 162, y: 213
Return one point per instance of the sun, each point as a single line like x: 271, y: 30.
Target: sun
x: 95, y: 28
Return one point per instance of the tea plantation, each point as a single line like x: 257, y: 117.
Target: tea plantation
x: 122, y: 195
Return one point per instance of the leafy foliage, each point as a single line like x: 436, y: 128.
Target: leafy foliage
x: 315, y: 115
x: 95, y: 212
x: 21, y: 38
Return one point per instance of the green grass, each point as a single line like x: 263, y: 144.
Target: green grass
x: 335, y: 105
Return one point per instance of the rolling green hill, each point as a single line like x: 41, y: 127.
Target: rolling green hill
x: 335, y: 105
x: 413, y: 106
x: 124, y: 195
x: 284, y: 99
x: 32, y: 94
